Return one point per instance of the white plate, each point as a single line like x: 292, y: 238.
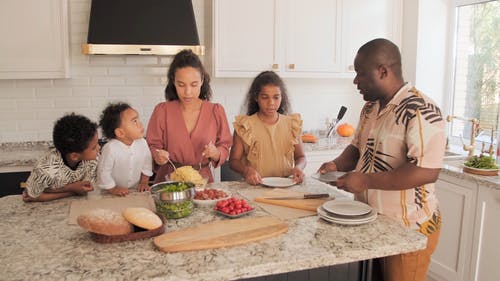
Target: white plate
x: 346, y: 221
x: 277, y: 182
x: 347, y: 208
x: 328, y: 177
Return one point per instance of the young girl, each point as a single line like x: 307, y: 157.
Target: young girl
x: 188, y: 129
x: 266, y: 141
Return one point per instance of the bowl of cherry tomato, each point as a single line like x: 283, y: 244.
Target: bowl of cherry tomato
x: 233, y: 207
x: 207, y: 197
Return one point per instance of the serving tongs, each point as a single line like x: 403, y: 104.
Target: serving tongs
x: 305, y: 196
x: 334, y: 123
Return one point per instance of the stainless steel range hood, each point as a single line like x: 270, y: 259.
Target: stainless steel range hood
x: 142, y: 27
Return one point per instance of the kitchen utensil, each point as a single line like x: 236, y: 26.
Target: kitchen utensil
x: 174, y: 196
x: 347, y: 208
x: 223, y: 233
x: 340, y: 115
x: 277, y: 182
x: 305, y: 196
x: 172, y: 163
x: 302, y: 204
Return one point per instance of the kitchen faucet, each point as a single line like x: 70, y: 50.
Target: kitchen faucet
x: 474, y: 130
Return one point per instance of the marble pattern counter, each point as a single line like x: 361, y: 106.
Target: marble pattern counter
x: 37, y: 243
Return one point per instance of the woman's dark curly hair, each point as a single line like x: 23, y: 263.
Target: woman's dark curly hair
x: 110, y: 118
x: 263, y: 79
x: 186, y: 58
x: 73, y: 133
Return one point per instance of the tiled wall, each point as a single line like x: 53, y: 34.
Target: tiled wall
x: 28, y: 108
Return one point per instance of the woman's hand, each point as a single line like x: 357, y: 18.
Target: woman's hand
x: 252, y: 176
x: 161, y: 156
x: 211, y: 152
x: 297, y: 175
x: 143, y: 186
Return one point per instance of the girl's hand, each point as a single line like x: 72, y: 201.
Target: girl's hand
x: 252, y: 176
x: 81, y: 187
x: 297, y: 175
x: 161, y: 156
x: 211, y: 152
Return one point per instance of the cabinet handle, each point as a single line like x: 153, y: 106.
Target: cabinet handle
x: 275, y: 66
x: 292, y: 66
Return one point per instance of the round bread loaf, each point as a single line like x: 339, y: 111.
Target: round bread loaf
x: 142, y: 217
x: 106, y: 222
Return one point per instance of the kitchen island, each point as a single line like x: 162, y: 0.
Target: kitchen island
x: 37, y: 243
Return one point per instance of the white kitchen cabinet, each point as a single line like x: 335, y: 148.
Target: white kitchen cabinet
x: 316, y: 158
x: 292, y: 37
x: 34, y: 39
x: 486, y: 250
x: 298, y: 38
x: 363, y: 21
x: 457, y: 201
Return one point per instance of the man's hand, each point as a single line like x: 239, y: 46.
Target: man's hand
x: 354, y: 182
x: 327, y: 167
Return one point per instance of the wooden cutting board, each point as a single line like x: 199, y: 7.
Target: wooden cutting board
x: 303, y: 204
x: 224, y: 233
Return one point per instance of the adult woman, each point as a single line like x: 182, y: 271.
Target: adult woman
x: 188, y: 129
x: 267, y: 140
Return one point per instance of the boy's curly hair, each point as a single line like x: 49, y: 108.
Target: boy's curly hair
x: 73, y: 133
x: 110, y: 118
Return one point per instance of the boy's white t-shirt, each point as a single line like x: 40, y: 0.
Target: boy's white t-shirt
x: 122, y: 165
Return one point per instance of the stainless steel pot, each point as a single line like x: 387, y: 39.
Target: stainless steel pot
x: 172, y: 196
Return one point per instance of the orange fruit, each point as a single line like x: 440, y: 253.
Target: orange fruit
x: 345, y: 130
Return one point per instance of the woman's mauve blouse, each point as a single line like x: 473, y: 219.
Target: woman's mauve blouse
x: 167, y: 130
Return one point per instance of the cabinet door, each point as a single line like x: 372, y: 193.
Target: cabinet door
x: 311, y: 31
x: 456, y: 203
x: 244, y: 37
x: 363, y: 21
x: 486, y: 252
x: 34, y: 39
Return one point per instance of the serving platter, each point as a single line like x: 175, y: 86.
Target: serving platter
x: 209, y: 202
x: 481, y: 172
x: 235, y: 216
x: 277, y: 182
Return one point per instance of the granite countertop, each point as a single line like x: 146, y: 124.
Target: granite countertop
x: 38, y: 244
x: 25, y: 155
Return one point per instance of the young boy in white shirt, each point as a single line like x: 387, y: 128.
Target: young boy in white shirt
x: 125, y: 160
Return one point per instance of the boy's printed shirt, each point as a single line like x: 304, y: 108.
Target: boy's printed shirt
x: 51, y: 172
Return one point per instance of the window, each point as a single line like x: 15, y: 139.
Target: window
x: 477, y: 71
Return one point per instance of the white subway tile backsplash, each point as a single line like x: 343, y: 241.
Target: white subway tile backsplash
x: 17, y: 114
x: 166, y: 60
x: 107, y: 81
x: 125, y: 70
x: 8, y: 104
x: 39, y: 103
x: 141, y: 60
x: 80, y: 6
x: 7, y: 84
x: 16, y: 93
x: 43, y: 93
x: 90, y: 92
x: 8, y: 126
x: 160, y: 71
x: 154, y: 91
x: 72, y: 82
x: 72, y: 102
x: 36, y: 125
x: 143, y: 81
x: 18, y: 136
x: 90, y: 71
x: 107, y: 60
x: 125, y: 91
x: 33, y: 83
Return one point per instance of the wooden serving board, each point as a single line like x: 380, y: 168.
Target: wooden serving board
x: 219, y: 234
x: 303, y: 204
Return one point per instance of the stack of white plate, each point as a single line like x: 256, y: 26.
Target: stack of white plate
x: 346, y: 212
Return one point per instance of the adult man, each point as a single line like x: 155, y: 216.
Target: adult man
x: 396, y: 154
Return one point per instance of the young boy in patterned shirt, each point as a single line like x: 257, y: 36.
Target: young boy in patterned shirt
x: 69, y: 168
x: 126, y: 160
